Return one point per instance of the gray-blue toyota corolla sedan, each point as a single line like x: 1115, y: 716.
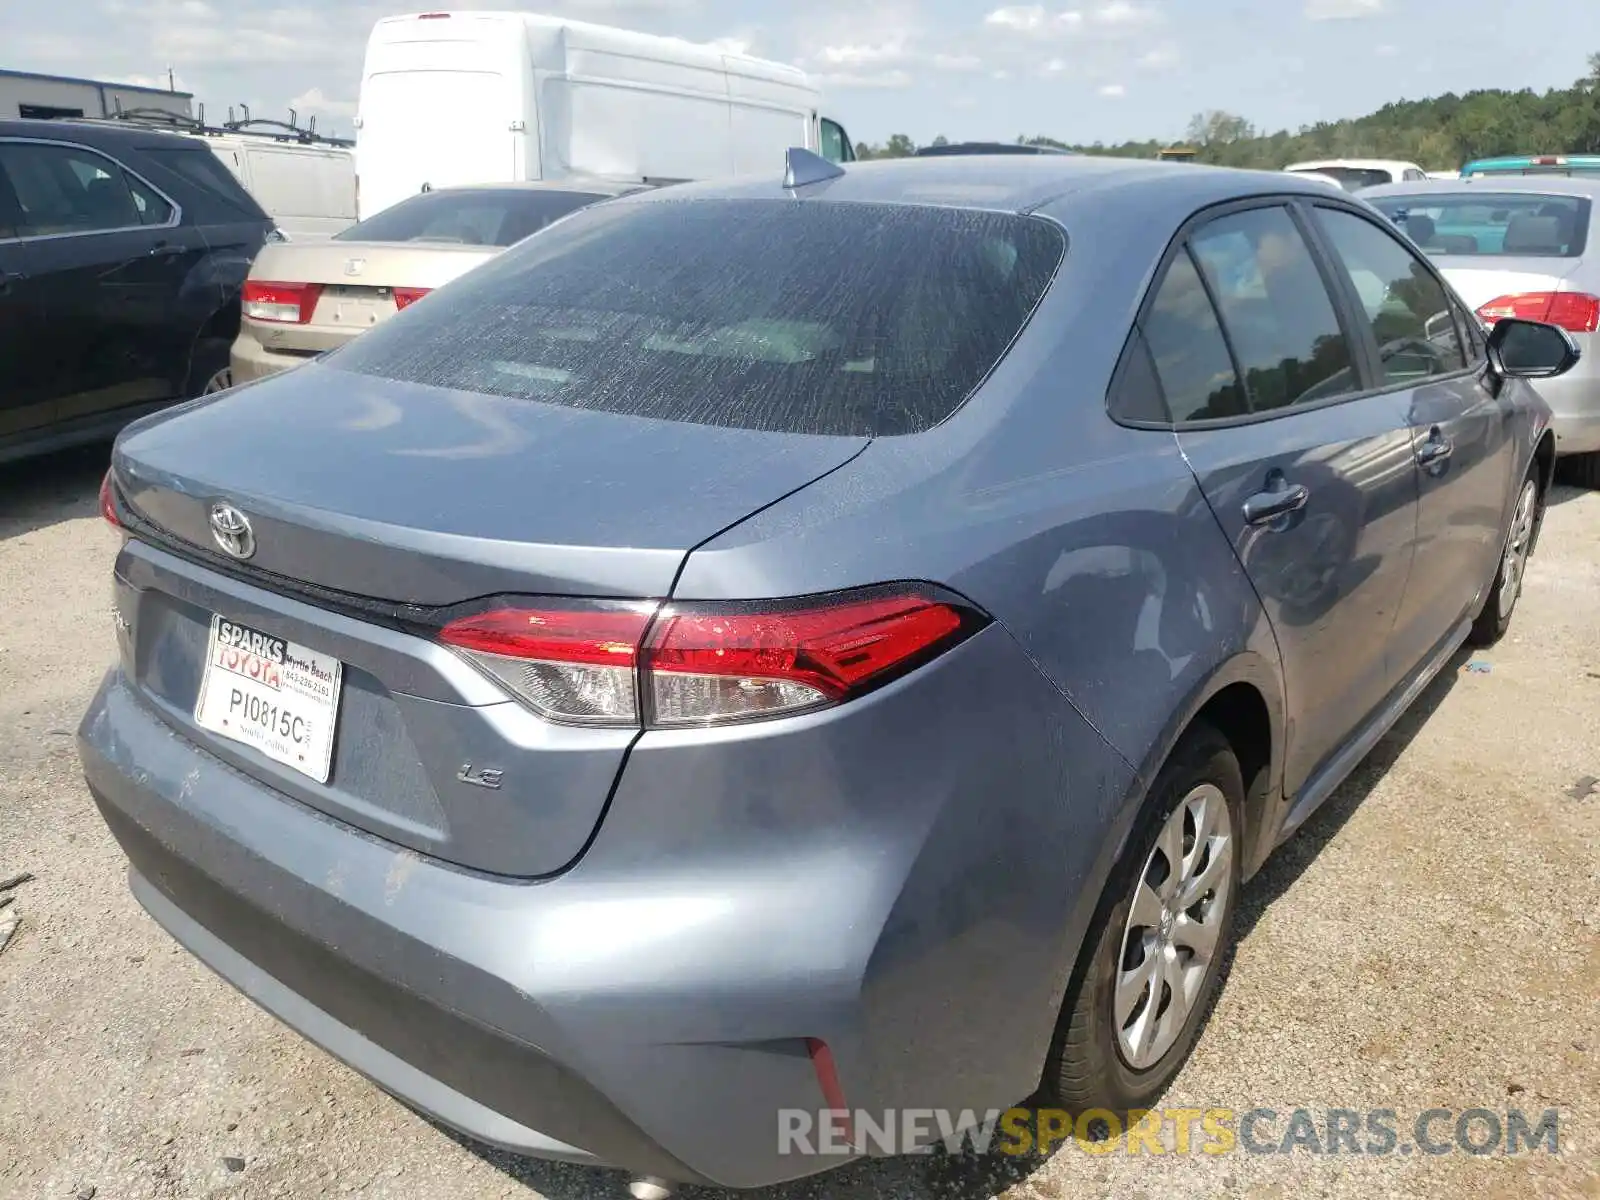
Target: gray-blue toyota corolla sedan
x: 830, y: 642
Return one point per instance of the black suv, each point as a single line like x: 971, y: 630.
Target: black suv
x: 122, y: 252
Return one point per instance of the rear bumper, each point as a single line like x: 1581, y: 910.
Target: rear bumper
x: 649, y: 1008
x: 251, y: 359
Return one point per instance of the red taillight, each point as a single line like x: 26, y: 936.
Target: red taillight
x: 286, y: 303
x: 569, y: 664
x: 108, y: 504
x: 719, y: 666
x: 706, y: 664
x: 1576, y: 312
x: 405, y: 297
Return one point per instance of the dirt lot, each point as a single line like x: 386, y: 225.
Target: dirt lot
x: 1432, y: 939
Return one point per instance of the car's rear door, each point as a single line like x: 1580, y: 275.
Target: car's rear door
x: 1310, y: 478
x: 106, y: 255
x: 1460, y: 425
x: 27, y: 399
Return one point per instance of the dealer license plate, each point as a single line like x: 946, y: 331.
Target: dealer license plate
x: 270, y: 694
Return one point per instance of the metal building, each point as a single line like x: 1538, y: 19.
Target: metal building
x: 27, y: 95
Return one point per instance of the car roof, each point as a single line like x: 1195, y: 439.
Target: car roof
x: 987, y: 148
x: 1017, y: 183
x: 1359, y: 164
x: 606, y: 187
x: 1545, y: 185
x: 100, y: 134
x: 1529, y: 160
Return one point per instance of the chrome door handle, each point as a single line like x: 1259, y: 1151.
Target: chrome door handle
x: 1435, y: 450
x: 1265, y: 507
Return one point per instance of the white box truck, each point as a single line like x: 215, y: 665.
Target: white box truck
x: 452, y: 98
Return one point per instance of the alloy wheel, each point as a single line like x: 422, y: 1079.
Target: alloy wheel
x: 1174, y: 926
x: 1515, y: 561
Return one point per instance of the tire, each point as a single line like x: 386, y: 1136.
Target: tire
x: 1501, y: 603
x: 1096, y: 1061
x: 1580, y: 470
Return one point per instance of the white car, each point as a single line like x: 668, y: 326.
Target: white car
x: 1521, y: 246
x: 1354, y: 174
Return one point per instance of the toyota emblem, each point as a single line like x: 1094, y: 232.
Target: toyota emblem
x: 231, y: 530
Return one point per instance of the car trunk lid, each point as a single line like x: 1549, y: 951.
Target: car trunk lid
x: 349, y: 287
x: 375, y: 506
x: 1478, y: 280
x: 427, y: 496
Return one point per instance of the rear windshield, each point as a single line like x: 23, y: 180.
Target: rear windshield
x: 1492, y: 225
x: 480, y: 217
x: 1353, y: 179
x: 794, y: 316
x: 200, y: 168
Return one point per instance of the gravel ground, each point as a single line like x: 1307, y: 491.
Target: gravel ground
x: 1432, y: 939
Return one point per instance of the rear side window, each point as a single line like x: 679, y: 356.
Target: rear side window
x: 199, y: 168
x: 480, y: 217
x: 1407, y: 307
x: 794, y: 316
x: 1280, y: 319
x: 1189, y: 349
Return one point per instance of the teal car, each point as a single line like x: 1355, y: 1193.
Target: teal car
x: 1535, y: 164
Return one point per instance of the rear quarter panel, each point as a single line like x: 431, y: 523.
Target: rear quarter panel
x: 1088, y: 542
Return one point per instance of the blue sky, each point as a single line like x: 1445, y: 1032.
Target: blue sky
x: 1077, y: 70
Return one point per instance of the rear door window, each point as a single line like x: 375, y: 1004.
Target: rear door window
x: 795, y: 316
x: 1406, y: 306
x: 1278, y: 314
x: 69, y: 189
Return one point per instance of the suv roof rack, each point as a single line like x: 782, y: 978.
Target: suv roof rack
x: 290, y: 131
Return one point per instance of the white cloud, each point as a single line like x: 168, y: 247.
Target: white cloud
x: 732, y: 44
x: 1114, y: 90
x: 956, y: 62
x: 313, y: 101
x: 1342, y: 10
x: 875, y: 80
x: 1120, y: 12
x: 1019, y: 17
x: 1386, y: 51
x: 1033, y: 18
x: 161, y: 82
x: 1160, y: 58
x: 862, y: 55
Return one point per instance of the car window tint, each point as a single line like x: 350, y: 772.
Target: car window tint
x: 64, y: 189
x: 476, y: 217
x: 850, y: 319
x: 1470, y: 332
x: 1276, y: 309
x: 1491, y: 225
x: 1190, y: 352
x: 1409, y: 311
x: 200, y: 168
x: 153, y: 210
x: 1135, y: 388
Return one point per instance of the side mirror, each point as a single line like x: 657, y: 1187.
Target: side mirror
x: 1531, y: 349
